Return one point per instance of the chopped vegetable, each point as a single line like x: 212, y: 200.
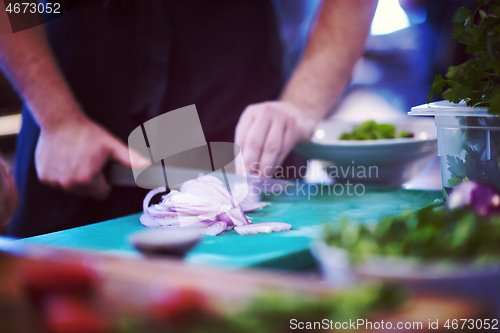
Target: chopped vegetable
x: 266, y: 227
x: 204, y: 199
x: 433, y: 232
x: 41, y: 277
x: 64, y: 313
x: 216, y: 228
x: 180, y: 306
x: 276, y: 312
x: 371, y: 130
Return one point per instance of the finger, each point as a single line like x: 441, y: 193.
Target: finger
x: 243, y: 126
x: 98, y: 188
x: 239, y: 165
x: 121, y: 153
x: 288, y: 143
x: 254, y: 142
x: 241, y: 129
x: 137, y: 160
x: 272, y: 147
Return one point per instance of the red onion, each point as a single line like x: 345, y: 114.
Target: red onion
x: 248, y: 206
x: 205, y: 199
x: 215, y: 229
x: 266, y: 227
x: 482, y: 198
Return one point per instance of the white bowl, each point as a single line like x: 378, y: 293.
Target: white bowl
x: 388, y: 161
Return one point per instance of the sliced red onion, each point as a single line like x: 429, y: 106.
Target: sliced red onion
x: 208, y: 187
x: 248, y: 206
x: 225, y: 218
x: 237, y: 216
x: 266, y: 227
x: 482, y: 198
x: 185, y: 221
x: 205, y: 199
x: 150, y: 195
x: 200, y: 225
x: 157, y: 213
x: 149, y: 221
x: 211, y: 216
x: 215, y: 229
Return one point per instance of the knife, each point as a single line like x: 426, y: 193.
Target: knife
x: 120, y: 175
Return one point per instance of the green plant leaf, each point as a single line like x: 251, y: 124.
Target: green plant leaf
x: 462, y: 15
x: 454, y: 71
x: 477, y: 80
x: 437, y: 86
x: 456, y: 166
x: 495, y: 104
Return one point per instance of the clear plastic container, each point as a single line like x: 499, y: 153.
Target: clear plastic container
x: 468, y: 142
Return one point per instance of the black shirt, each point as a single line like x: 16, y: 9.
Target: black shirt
x: 129, y: 60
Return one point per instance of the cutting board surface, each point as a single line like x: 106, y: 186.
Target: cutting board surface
x: 284, y: 250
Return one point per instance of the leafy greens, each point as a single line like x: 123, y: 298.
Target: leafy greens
x: 371, y: 130
x: 477, y: 81
x: 433, y: 232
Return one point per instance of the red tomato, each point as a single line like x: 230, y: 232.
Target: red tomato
x: 39, y: 277
x: 181, y: 306
x: 66, y: 314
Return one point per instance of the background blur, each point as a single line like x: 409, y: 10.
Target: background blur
x: 410, y: 42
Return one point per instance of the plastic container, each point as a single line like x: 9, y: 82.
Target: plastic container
x: 468, y: 142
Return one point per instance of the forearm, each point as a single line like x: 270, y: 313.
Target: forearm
x: 333, y: 48
x: 28, y: 62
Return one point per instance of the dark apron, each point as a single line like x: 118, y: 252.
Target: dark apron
x: 130, y: 60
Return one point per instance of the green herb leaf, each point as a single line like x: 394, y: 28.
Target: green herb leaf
x: 462, y: 15
x: 495, y: 103
x: 433, y: 232
x: 477, y: 80
x: 437, y: 86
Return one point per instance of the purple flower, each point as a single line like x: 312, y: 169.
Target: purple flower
x: 482, y: 198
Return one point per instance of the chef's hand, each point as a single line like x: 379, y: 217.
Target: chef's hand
x: 267, y: 132
x: 71, y: 157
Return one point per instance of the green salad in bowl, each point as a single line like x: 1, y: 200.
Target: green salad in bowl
x: 396, y: 151
x: 371, y: 130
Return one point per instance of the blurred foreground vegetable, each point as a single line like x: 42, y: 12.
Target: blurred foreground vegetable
x: 482, y: 198
x: 469, y: 232
x: 272, y: 313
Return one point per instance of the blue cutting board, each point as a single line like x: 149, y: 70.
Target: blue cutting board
x: 283, y: 250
